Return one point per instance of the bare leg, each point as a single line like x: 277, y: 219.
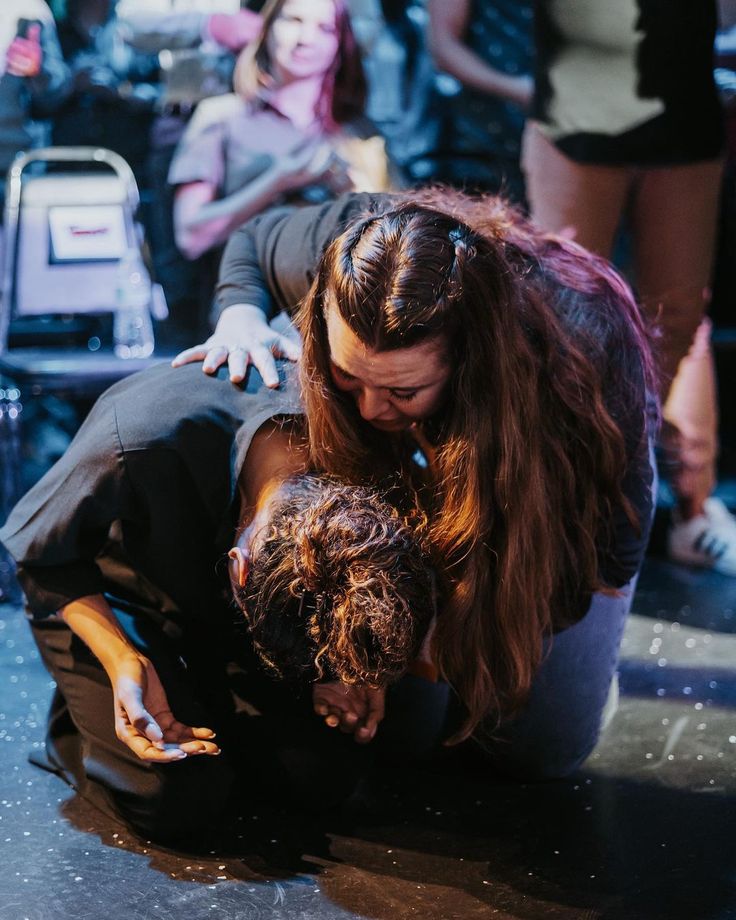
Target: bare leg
x: 674, y: 215
x: 588, y: 201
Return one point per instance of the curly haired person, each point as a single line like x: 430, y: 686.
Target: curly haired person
x: 124, y: 550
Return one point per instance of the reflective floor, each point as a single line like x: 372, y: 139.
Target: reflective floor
x: 646, y: 830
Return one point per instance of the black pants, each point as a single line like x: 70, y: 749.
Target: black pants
x: 272, y: 743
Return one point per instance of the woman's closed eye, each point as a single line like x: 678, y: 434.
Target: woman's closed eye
x: 340, y: 372
x: 401, y: 395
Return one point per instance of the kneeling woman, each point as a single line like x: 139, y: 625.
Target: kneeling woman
x: 518, y: 365
x: 123, y: 555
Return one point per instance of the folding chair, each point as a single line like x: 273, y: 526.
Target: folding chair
x: 65, y: 233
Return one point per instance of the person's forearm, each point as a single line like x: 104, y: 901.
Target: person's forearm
x: 92, y: 620
x: 455, y: 58
x: 241, y: 276
x: 213, y: 222
x: 448, y: 26
x: 141, y: 712
x: 271, y: 260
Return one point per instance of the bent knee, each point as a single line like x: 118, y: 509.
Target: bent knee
x: 549, y: 753
x: 179, y: 800
x: 534, y: 765
x: 560, y: 766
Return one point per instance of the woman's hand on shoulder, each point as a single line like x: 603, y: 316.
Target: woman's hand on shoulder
x: 353, y: 708
x: 242, y: 337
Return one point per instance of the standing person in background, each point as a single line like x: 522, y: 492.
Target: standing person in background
x: 487, y: 46
x: 403, y: 101
x: 626, y: 116
x: 34, y: 79
x: 290, y: 133
x: 114, y: 88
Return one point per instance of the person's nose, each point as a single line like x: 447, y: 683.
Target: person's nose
x: 372, y: 403
x: 307, y: 33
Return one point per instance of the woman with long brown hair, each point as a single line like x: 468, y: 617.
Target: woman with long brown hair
x: 517, y: 366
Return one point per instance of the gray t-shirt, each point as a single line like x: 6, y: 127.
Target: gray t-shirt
x: 230, y: 143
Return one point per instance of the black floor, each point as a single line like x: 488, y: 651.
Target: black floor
x: 646, y: 830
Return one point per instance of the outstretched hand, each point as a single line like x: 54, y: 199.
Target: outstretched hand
x: 144, y: 720
x: 354, y: 708
x: 242, y: 337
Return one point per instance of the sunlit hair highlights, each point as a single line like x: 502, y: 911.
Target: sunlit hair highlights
x: 530, y: 457
x: 339, y: 585
x: 344, y: 89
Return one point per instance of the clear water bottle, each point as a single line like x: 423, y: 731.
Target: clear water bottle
x: 132, y: 330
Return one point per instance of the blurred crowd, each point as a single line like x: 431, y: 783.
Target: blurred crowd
x: 187, y: 92
x: 182, y: 89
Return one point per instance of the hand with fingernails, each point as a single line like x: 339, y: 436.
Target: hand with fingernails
x: 242, y: 337
x: 144, y: 720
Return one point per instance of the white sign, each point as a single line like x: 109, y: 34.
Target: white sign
x: 87, y: 233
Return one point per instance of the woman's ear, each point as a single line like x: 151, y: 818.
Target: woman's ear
x: 239, y: 566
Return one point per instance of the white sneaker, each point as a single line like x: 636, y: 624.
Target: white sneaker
x: 707, y: 540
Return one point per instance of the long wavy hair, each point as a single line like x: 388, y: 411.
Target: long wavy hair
x: 344, y: 89
x: 339, y: 584
x: 530, y: 453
